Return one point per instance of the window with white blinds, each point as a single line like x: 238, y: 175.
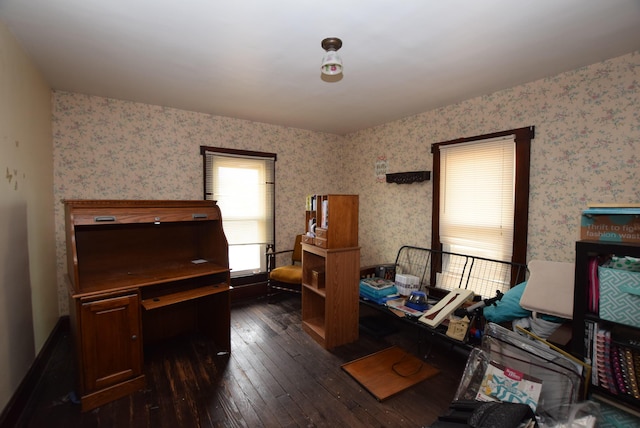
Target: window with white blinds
x: 477, y: 198
x: 243, y: 184
x: 480, y: 203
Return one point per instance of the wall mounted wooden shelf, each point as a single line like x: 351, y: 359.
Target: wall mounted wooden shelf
x: 409, y: 177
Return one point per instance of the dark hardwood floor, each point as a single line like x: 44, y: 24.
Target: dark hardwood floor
x: 275, y: 376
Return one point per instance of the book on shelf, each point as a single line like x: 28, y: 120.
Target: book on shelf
x: 588, y: 340
x: 594, y: 354
x: 591, y: 328
x: 608, y: 364
x: 615, y: 358
x: 618, y: 375
x: 629, y: 384
x: 602, y: 352
x: 627, y: 342
x: 311, y: 203
x: 634, y: 380
x: 325, y: 214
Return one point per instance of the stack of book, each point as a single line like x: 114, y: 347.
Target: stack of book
x: 378, y: 290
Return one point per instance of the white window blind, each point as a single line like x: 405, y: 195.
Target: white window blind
x: 477, y: 198
x: 244, y: 189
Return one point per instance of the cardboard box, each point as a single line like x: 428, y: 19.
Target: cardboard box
x: 317, y: 278
x: 610, y: 224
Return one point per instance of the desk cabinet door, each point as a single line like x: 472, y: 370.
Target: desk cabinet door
x: 111, y: 342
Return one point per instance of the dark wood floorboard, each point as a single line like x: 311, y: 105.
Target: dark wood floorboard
x: 275, y: 376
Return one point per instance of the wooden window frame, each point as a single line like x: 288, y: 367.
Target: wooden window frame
x: 248, y: 279
x: 522, y: 138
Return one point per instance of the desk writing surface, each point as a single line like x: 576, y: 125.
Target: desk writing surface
x: 111, y: 279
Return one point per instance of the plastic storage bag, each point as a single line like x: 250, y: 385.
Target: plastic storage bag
x: 561, y: 377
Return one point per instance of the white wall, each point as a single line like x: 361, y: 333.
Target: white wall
x: 28, y: 295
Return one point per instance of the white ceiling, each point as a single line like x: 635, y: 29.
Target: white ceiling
x: 260, y: 59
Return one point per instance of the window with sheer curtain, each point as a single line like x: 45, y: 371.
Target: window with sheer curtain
x: 243, y: 182
x: 481, y: 193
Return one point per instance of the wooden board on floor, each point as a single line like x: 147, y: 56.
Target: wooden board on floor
x: 388, y: 372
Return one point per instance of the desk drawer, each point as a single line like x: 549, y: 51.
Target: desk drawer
x: 320, y: 242
x: 321, y: 233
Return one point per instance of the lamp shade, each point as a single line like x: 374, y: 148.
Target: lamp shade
x: 331, y: 63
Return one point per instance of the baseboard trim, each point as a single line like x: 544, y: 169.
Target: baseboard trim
x: 15, y: 407
x: 241, y: 293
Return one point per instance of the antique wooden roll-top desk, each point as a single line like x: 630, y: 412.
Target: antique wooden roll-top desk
x: 139, y: 272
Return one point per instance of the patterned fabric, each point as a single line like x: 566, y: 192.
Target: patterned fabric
x: 619, y: 296
x: 612, y: 417
x: 627, y: 263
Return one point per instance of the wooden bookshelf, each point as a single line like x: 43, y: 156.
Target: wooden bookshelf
x: 330, y: 301
x: 583, y: 317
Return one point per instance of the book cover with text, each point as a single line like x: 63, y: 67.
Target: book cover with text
x: 501, y: 383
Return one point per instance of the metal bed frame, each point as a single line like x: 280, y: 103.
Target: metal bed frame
x: 445, y: 270
x: 442, y: 271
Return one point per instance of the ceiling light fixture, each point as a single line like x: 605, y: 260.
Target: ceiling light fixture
x: 331, y: 61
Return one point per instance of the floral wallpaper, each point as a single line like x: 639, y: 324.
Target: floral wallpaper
x: 586, y: 149
x: 587, y: 140
x: 111, y: 149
